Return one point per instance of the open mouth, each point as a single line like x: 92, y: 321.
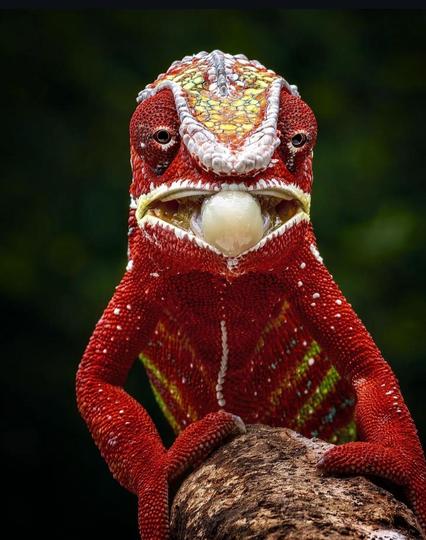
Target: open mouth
x: 233, y: 220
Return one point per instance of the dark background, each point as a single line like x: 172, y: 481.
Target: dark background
x: 69, y: 82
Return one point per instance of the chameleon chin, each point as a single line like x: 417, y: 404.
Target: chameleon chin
x: 226, y: 299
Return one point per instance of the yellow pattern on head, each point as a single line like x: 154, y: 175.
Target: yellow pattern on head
x: 230, y: 117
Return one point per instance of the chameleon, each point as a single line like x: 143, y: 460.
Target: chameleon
x: 226, y: 299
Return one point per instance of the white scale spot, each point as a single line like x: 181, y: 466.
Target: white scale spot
x: 116, y: 311
x: 104, y: 351
x: 299, y: 283
x: 119, y: 327
x: 316, y: 295
x: 129, y: 307
x: 311, y: 361
x: 129, y: 266
x: 337, y: 315
x: 339, y: 302
x: 223, y: 362
x: 315, y: 253
x: 302, y: 265
x: 313, y: 304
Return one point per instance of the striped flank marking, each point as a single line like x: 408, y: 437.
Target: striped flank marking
x: 173, y: 391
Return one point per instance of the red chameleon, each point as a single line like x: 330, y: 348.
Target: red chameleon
x: 226, y: 299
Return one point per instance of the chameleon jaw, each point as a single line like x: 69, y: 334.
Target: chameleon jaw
x: 179, y: 208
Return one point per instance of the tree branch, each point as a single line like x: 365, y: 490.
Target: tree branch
x: 265, y: 485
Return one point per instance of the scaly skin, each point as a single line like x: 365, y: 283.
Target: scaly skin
x: 264, y: 335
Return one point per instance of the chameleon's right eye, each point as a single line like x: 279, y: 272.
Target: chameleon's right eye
x: 154, y: 131
x: 163, y: 136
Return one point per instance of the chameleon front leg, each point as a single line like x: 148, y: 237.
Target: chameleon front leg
x: 389, y: 446
x: 120, y: 426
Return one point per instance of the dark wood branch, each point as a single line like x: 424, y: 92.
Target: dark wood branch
x: 265, y: 485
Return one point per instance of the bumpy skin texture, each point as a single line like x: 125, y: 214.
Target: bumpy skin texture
x: 269, y: 338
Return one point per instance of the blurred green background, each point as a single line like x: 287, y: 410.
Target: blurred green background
x: 69, y: 82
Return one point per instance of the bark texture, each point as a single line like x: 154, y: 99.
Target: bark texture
x: 265, y: 485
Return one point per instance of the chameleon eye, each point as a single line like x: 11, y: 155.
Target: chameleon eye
x: 298, y: 140
x: 298, y: 131
x: 154, y: 131
x: 163, y: 136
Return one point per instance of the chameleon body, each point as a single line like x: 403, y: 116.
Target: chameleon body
x: 255, y: 331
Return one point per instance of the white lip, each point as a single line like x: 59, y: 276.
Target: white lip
x: 187, y: 188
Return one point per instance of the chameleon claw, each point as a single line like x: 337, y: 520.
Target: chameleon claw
x: 241, y: 427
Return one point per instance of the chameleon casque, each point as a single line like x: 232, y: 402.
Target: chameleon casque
x: 226, y: 299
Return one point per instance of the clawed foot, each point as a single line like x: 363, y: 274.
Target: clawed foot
x: 388, y: 463
x: 190, y: 448
x: 197, y: 441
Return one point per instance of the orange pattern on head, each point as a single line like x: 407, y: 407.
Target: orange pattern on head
x: 229, y: 117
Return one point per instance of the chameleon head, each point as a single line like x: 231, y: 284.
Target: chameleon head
x: 221, y: 153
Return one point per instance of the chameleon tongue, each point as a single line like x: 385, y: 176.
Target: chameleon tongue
x: 231, y: 221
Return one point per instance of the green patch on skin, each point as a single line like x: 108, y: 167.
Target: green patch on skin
x: 344, y: 434
x: 326, y: 385
x: 173, y: 391
x: 292, y: 378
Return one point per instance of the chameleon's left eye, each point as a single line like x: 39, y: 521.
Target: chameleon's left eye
x: 154, y: 131
x: 298, y: 140
x: 298, y: 131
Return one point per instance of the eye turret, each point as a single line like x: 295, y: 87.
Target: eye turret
x: 154, y: 131
x: 297, y: 127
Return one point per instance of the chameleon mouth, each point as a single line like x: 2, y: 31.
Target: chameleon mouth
x: 230, y: 219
